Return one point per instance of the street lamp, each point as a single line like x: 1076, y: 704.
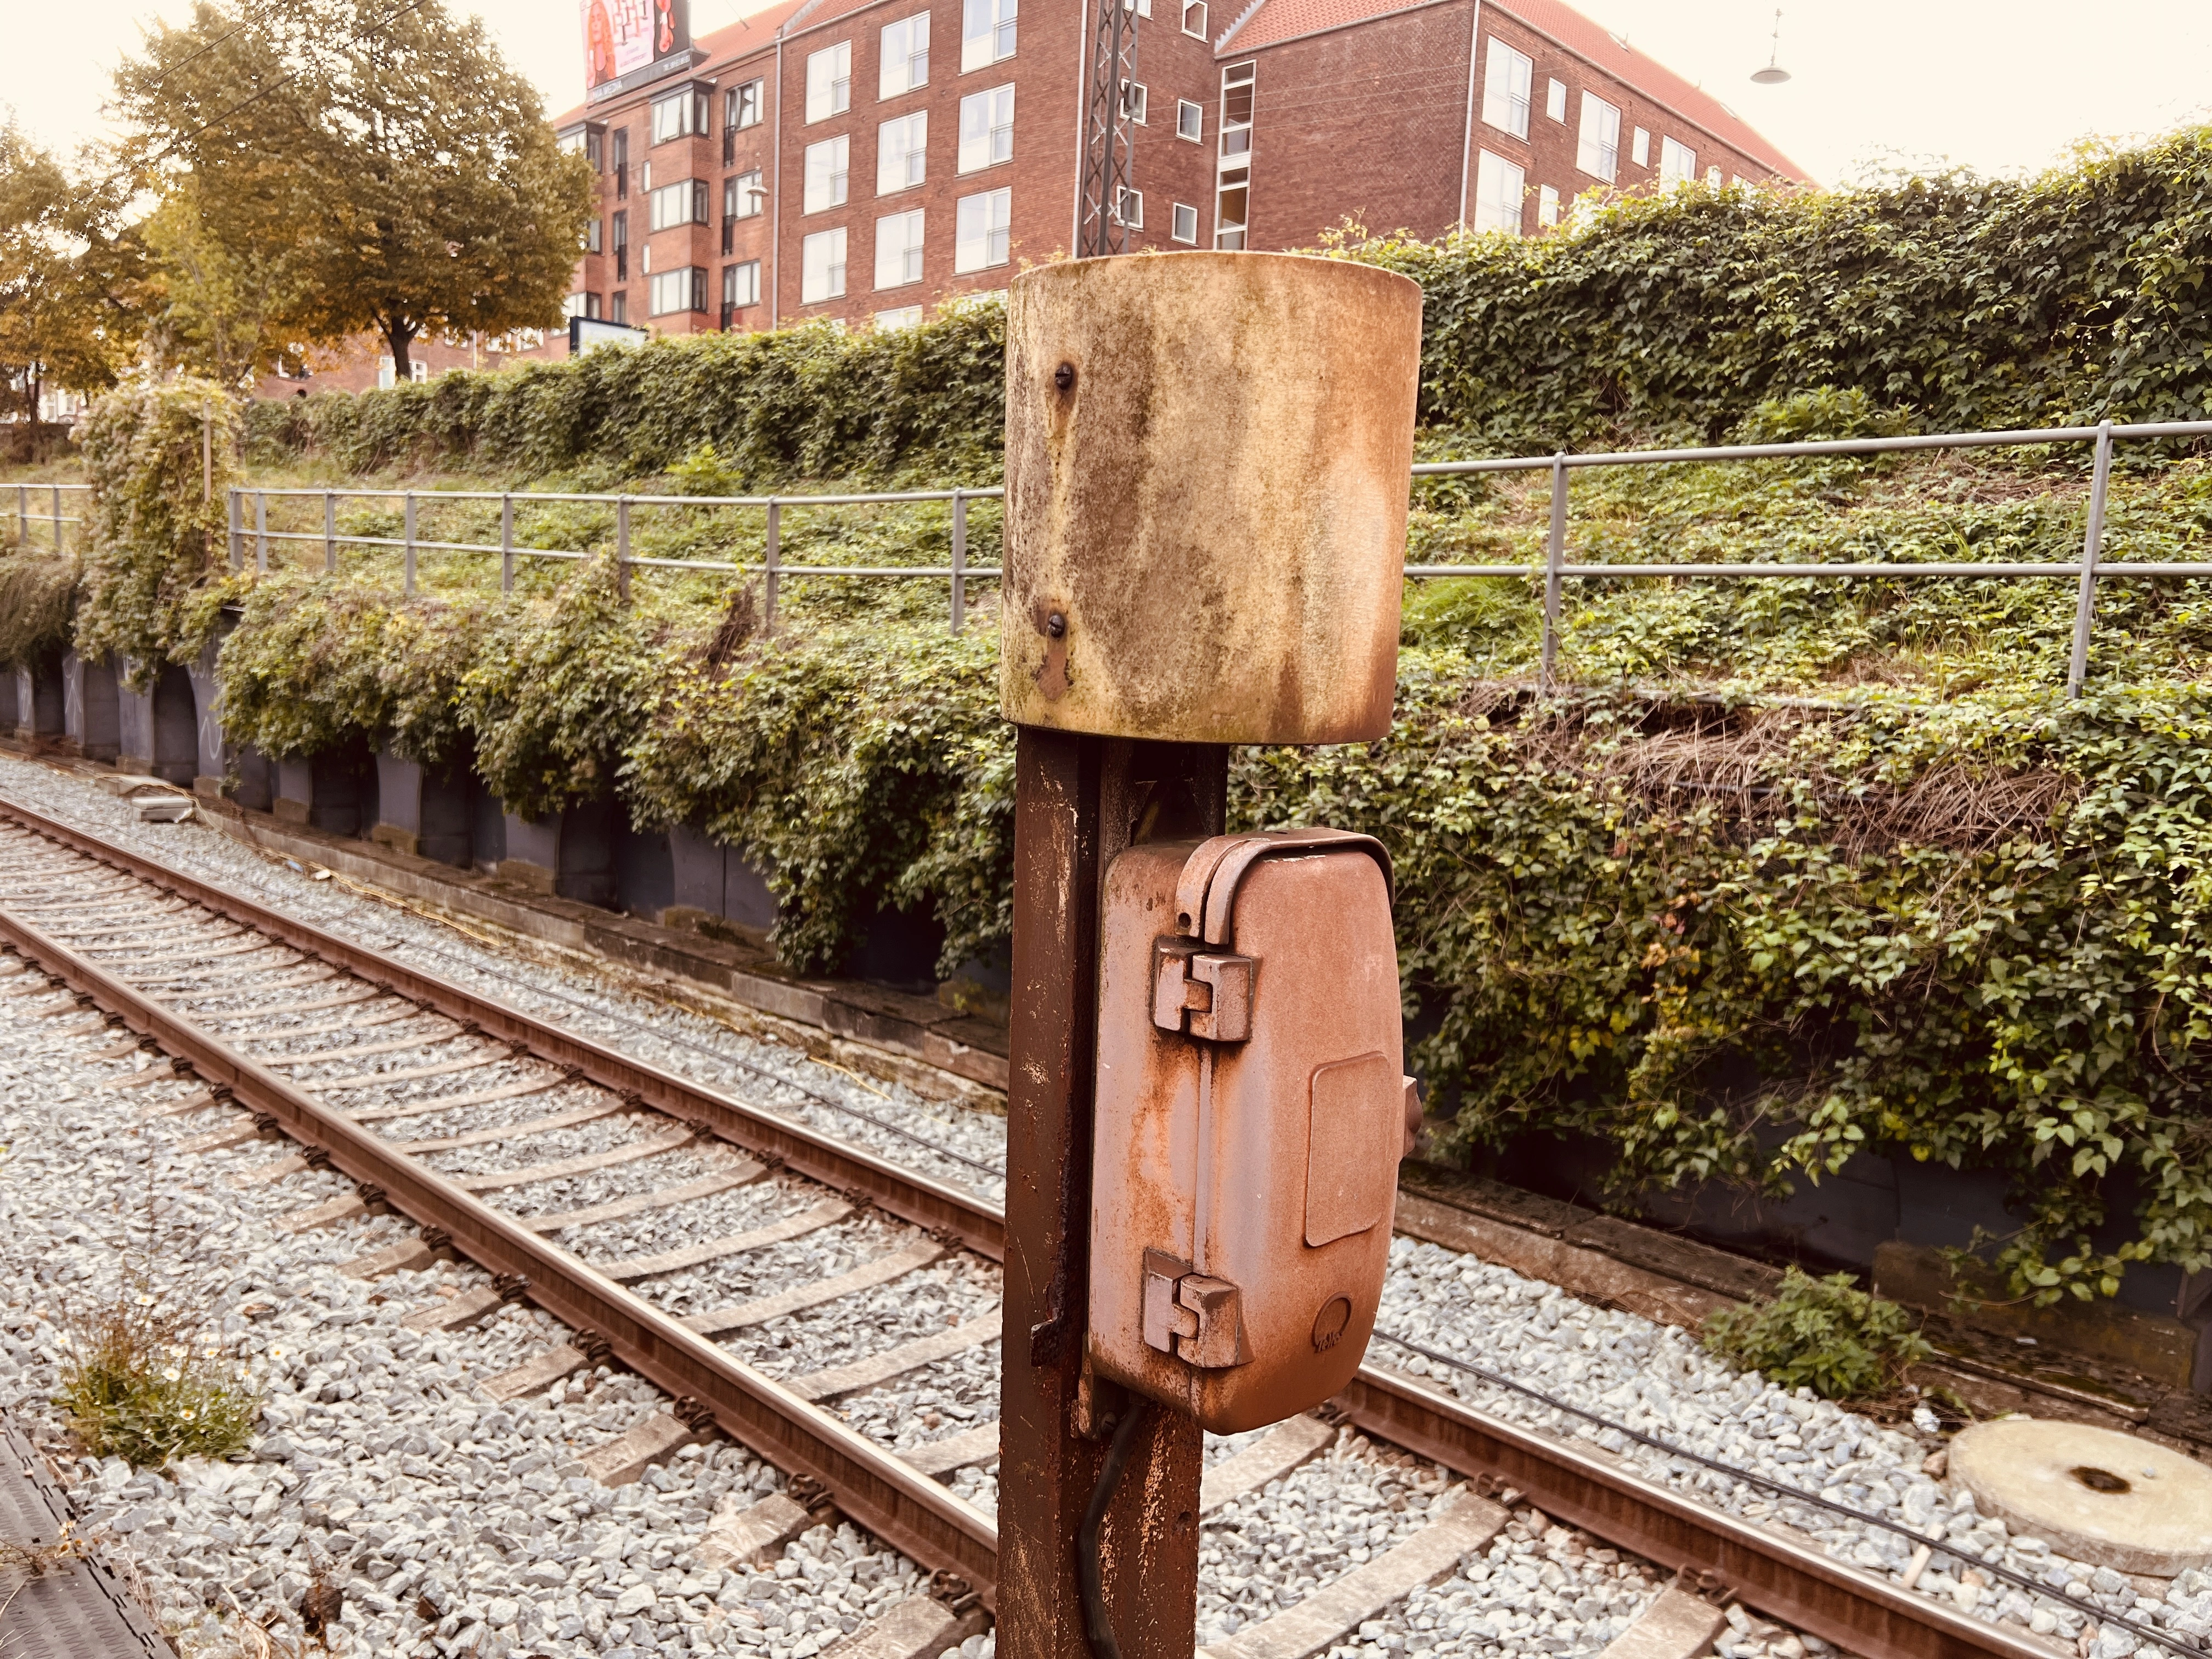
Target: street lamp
x: 1773, y: 75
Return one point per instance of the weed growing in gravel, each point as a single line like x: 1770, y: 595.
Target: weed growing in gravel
x: 1824, y: 1333
x: 141, y: 1382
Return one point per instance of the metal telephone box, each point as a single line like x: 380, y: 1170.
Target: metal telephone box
x: 1250, y: 1114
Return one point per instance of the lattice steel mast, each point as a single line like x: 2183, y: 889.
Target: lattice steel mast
x: 1108, y: 142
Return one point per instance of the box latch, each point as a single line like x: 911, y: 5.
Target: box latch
x: 1195, y: 1316
x: 1205, y: 993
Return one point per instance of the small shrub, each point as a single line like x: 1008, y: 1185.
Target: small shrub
x: 1824, y: 1333
x: 140, y: 1382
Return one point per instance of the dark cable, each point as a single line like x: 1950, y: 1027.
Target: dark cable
x: 1088, y: 1573
x: 1798, y: 1494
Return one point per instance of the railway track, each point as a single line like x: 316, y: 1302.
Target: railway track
x: 295, y: 1032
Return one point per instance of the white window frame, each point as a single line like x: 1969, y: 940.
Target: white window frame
x: 1678, y: 162
x: 1182, y: 223
x: 690, y: 116
x: 745, y: 104
x: 1547, y: 205
x: 1713, y: 176
x: 683, y: 203
x: 1639, y: 148
x: 987, y: 128
x: 1508, y: 76
x: 903, y: 152
x: 1129, y: 208
x: 1190, y: 120
x: 822, y: 266
x: 744, y: 196
x: 987, y: 33
x: 983, y: 231
x: 902, y: 63
x: 1555, y: 101
x: 1501, y: 193
x: 829, y: 174
x: 1135, y: 99
x: 686, y: 282
x: 1233, y: 162
x: 898, y: 317
x: 1194, y: 8
x: 898, y: 249
x: 828, y: 81
x: 1597, y: 138
x: 739, y: 292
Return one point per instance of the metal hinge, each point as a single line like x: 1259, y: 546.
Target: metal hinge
x: 1198, y: 1318
x: 1207, y: 993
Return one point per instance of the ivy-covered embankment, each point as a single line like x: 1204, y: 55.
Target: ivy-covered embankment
x: 1777, y: 871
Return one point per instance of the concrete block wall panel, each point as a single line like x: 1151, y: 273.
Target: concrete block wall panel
x: 746, y: 898
x: 585, y: 871
x: 38, y: 701
x: 345, y: 792
x: 648, y: 875
x: 256, y: 788
x: 72, y: 700
x: 134, y: 721
x: 9, y: 699
x: 530, y: 851
x: 398, y: 803
x: 896, y: 947
x: 294, y: 788
x: 445, y: 816
x: 213, y: 745
x: 487, y: 827
x: 101, y: 737
x: 174, y: 726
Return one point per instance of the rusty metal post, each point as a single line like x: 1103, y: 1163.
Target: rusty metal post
x: 1138, y: 484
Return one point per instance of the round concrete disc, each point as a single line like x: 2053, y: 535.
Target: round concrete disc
x: 2093, y: 1494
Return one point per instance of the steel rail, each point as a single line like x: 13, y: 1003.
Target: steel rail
x: 890, y: 1497
x: 1769, y: 1571
x: 858, y: 1173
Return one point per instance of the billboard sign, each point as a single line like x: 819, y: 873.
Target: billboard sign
x: 623, y: 37
x: 590, y: 333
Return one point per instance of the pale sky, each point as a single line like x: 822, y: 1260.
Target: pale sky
x: 2002, y: 86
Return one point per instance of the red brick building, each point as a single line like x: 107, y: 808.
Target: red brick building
x: 866, y: 160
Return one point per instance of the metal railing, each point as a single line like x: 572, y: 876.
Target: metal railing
x: 771, y: 568
x: 54, y: 517
x: 2087, y: 570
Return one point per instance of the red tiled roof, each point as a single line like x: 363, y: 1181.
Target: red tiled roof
x: 754, y: 29
x: 1648, y: 76
x: 1271, y: 20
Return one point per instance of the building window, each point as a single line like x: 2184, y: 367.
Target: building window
x: 1547, y: 206
x: 1194, y: 18
x: 897, y: 318
x: 1713, y: 177
x: 683, y: 203
x: 1134, y: 100
x: 987, y: 33
x: 1183, y: 222
x: 1190, y: 120
x: 622, y: 229
x: 1639, y: 148
x: 983, y: 232
x: 822, y: 266
x: 1129, y: 208
x: 742, y: 196
x: 1678, y: 163
x: 901, y: 153
x: 581, y: 304
x: 679, y: 290
x: 1555, y: 101
x: 828, y: 169
x: 741, y: 105
x: 1506, y: 78
x: 1597, y: 145
x: 987, y: 128
x: 680, y: 116
x: 1232, y: 197
x: 898, y: 249
x: 1499, y: 189
x: 621, y: 151
x: 904, y: 64
x: 829, y: 81
x: 618, y: 306
x: 593, y: 227
x: 741, y: 284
